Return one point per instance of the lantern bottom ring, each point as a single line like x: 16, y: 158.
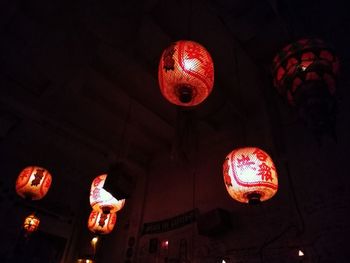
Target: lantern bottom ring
x: 185, y: 93
x: 254, y: 198
x: 106, y: 210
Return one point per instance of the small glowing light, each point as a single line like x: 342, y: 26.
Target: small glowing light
x: 165, y: 244
x: 300, y: 253
x: 189, y: 64
x: 223, y: 261
x: 94, y: 240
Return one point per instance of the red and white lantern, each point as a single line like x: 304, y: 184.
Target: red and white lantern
x: 186, y: 73
x: 31, y: 224
x: 33, y: 182
x: 101, y: 223
x: 101, y: 200
x: 250, y: 175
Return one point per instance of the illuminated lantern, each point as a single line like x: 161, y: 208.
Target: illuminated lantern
x: 305, y: 73
x: 101, y: 200
x: 101, y: 223
x: 250, y: 175
x: 186, y: 73
x: 33, y: 183
x: 31, y: 224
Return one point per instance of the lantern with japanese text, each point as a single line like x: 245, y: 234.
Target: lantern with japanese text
x: 101, y: 223
x: 33, y: 183
x: 101, y: 200
x: 305, y: 73
x: 250, y: 175
x: 31, y: 224
x: 186, y: 73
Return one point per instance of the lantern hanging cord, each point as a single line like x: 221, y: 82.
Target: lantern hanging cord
x: 189, y: 20
x: 122, y: 136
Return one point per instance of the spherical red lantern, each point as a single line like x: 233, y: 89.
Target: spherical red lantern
x: 101, y: 200
x: 250, y: 175
x: 33, y: 182
x: 305, y: 73
x: 305, y: 61
x: 186, y: 73
x: 101, y: 223
x: 31, y: 224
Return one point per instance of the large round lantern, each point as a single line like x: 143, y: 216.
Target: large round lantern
x: 186, y: 73
x: 100, y: 223
x: 250, y: 175
x: 31, y: 224
x: 101, y: 200
x: 305, y: 73
x: 33, y: 182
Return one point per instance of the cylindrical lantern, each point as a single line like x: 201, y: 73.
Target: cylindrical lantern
x: 305, y: 73
x: 101, y: 200
x: 101, y: 223
x: 33, y: 182
x: 186, y: 73
x: 31, y: 224
x: 250, y: 175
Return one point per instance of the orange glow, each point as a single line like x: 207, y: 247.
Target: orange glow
x: 85, y: 261
x: 33, y: 182
x: 101, y: 200
x: 186, y: 73
x: 101, y: 223
x: 31, y: 223
x: 249, y: 173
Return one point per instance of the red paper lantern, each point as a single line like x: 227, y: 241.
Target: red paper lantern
x: 101, y: 223
x: 305, y: 73
x: 101, y: 200
x: 31, y: 224
x: 33, y: 182
x: 250, y: 175
x: 302, y: 62
x: 186, y: 73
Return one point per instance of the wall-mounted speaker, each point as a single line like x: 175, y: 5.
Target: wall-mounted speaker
x: 214, y: 222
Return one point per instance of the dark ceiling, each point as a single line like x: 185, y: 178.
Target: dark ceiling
x: 78, y: 79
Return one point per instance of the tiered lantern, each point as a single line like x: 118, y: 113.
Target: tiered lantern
x: 100, y: 223
x: 101, y: 200
x: 250, y: 175
x: 186, y: 73
x: 305, y: 73
x: 31, y: 224
x: 33, y: 183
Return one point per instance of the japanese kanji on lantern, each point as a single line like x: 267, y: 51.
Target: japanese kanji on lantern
x: 33, y: 182
x: 305, y: 73
x: 250, y: 175
x: 100, y: 223
x: 31, y: 224
x: 101, y: 200
x: 186, y: 73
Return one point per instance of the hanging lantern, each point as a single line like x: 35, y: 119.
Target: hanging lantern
x: 101, y: 200
x: 250, y: 175
x: 100, y: 223
x: 31, y: 224
x: 33, y: 183
x: 305, y: 73
x: 186, y: 73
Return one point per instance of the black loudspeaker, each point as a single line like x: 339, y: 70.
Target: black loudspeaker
x: 119, y: 182
x: 213, y: 223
